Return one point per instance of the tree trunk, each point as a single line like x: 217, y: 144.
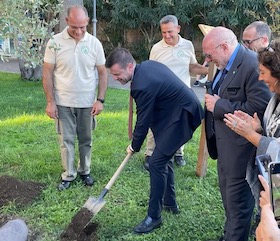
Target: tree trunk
x: 29, y: 73
x: 63, y: 14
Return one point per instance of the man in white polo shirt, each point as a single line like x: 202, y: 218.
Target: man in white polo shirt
x: 70, y: 82
x: 178, y: 54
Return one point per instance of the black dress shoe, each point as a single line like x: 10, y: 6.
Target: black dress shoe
x: 87, y: 179
x: 179, y: 161
x: 148, y: 225
x: 146, y: 162
x: 63, y: 185
x: 173, y: 209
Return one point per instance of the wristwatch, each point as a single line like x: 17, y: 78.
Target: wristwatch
x: 101, y: 100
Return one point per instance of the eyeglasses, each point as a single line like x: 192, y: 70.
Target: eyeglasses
x: 209, y: 55
x: 248, y: 42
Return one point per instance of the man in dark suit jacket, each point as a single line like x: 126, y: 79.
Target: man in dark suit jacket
x: 239, y: 90
x: 173, y: 112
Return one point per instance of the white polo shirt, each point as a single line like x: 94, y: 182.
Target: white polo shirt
x: 75, y: 77
x: 177, y: 58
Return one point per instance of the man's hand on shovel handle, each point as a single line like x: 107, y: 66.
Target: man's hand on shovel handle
x: 129, y: 150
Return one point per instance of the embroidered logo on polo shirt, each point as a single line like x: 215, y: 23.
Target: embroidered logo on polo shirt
x: 85, y: 50
x: 181, y: 54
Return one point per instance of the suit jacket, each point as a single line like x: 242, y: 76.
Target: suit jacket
x: 166, y: 105
x: 240, y: 90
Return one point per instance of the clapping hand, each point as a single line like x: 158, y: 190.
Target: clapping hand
x: 242, y: 123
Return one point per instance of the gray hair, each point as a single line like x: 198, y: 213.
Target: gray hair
x: 169, y: 19
x: 262, y: 29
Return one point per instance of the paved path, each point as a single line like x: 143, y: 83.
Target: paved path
x: 13, y: 67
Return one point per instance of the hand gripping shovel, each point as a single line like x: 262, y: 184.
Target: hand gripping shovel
x: 94, y: 205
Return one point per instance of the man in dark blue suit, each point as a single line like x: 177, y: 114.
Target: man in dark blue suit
x: 235, y: 87
x: 172, y: 111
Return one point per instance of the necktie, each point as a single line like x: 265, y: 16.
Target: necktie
x: 220, y: 81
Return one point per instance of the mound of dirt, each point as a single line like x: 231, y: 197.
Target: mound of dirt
x: 80, y: 228
x: 22, y: 193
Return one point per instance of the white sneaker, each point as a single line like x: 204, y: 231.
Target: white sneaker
x: 203, y: 80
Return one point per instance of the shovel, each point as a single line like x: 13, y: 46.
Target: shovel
x: 94, y: 205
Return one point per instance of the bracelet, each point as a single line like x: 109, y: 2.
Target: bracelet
x: 101, y: 100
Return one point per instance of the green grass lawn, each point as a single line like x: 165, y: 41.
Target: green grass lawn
x: 29, y: 151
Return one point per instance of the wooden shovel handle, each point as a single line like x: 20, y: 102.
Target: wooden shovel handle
x: 118, y: 171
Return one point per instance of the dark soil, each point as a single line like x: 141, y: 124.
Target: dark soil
x: 81, y: 228
x: 21, y: 193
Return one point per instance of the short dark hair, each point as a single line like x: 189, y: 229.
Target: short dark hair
x: 119, y: 56
x: 270, y: 58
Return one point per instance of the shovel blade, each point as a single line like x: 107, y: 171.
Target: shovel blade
x: 94, y: 204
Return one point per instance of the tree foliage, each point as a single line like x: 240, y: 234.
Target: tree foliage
x: 234, y: 13
x: 29, y: 23
x: 144, y: 15
x: 32, y: 21
x: 273, y: 9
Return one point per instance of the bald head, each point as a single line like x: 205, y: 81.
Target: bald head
x: 220, y: 34
x: 218, y: 45
x: 77, y: 8
x: 77, y: 20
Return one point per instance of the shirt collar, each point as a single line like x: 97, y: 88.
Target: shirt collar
x: 232, y: 57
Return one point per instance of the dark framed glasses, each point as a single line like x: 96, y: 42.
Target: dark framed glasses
x: 248, y: 42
